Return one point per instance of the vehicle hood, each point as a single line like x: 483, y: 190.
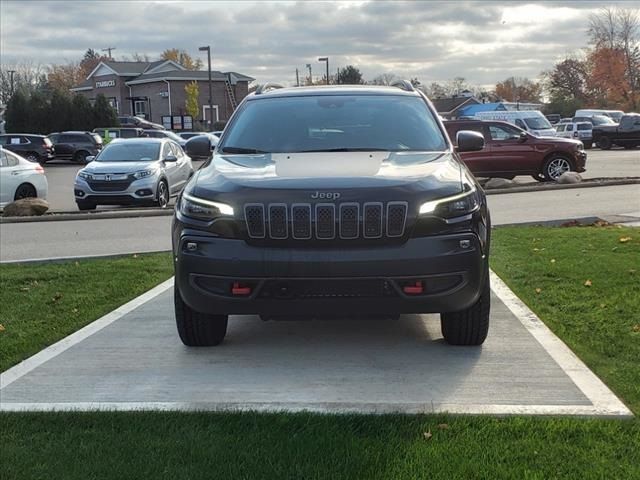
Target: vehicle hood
x: 355, y: 176
x: 569, y: 142
x: 118, y: 167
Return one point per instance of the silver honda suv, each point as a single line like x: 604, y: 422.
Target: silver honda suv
x: 136, y: 171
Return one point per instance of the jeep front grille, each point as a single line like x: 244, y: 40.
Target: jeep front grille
x: 325, y: 221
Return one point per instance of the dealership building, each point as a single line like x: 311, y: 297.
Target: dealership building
x: 156, y: 91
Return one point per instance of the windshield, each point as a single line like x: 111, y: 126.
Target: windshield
x: 128, y: 151
x: 537, y: 123
x: 334, y: 123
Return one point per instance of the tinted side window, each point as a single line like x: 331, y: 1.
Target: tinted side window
x: 176, y: 150
x: 65, y: 139
x: 503, y: 132
x: 626, y: 122
x: 3, y: 159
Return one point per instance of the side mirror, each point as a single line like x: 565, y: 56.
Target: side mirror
x: 524, y: 136
x: 170, y: 158
x: 90, y: 158
x: 199, y: 147
x: 469, y: 141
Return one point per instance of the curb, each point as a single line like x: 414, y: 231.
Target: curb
x: 66, y: 216
x: 78, y: 257
x: 157, y: 212
x: 557, y: 186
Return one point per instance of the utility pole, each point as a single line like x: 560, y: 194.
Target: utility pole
x: 11, y: 73
x: 208, y: 50
x: 297, y: 78
x: 326, y: 60
x: 108, y: 49
x: 310, y: 76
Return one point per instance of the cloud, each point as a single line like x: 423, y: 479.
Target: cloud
x: 484, y: 42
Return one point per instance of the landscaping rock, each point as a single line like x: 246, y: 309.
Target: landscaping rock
x: 26, y: 207
x: 498, y: 183
x: 569, y: 177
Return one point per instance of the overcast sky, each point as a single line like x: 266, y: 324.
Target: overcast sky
x: 484, y: 42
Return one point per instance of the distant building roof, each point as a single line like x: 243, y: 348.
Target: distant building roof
x: 146, y: 72
x: 188, y: 75
x: 450, y: 105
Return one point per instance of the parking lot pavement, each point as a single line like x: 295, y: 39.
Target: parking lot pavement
x: 133, y: 359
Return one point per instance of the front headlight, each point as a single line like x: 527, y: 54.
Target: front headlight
x: 454, y: 206
x: 84, y: 175
x: 144, y: 173
x: 203, y: 209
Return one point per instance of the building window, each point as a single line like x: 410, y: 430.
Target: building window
x: 140, y: 108
x: 113, y: 102
x: 207, y: 117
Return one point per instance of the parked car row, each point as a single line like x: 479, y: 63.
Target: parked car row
x: 76, y: 146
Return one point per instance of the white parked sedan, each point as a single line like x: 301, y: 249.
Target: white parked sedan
x: 20, y: 178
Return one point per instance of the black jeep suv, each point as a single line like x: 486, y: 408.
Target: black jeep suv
x: 332, y: 201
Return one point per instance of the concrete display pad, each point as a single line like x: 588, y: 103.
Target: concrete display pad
x: 132, y: 359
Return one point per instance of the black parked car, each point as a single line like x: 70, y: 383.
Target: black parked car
x: 129, y: 121
x: 76, y: 146
x: 332, y: 201
x: 36, y: 148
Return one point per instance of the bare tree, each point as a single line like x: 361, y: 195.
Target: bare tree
x: 384, y: 79
x: 28, y: 76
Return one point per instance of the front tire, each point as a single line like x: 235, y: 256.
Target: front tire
x: 198, y: 329
x: 162, y: 194
x: 555, y: 166
x: 81, y: 157
x: 470, y: 326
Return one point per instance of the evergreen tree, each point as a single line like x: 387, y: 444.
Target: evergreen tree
x: 59, y: 112
x: 349, y: 75
x: 104, y: 115
x: 38, y: 113
x: 17, y: 112
x: 81, y: 114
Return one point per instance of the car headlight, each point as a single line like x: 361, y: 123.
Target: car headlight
x: 84, y: 175
x: 454, y: 206
x: 144, y: 173
x: 580, y: 146
x: 203, y: 209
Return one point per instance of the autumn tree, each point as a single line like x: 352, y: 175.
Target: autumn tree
x: 191, y: 103
x: 349, y: 75
x: 614, y: 34
x: 519, y: 89
x: 182, y: 57
x: 89, y: 62
x: 65, y: 76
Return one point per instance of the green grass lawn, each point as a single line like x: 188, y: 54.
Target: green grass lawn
x: 598, y: 321
x: 42, y: 303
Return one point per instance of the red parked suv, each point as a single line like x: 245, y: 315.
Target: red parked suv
x: 510, y: 151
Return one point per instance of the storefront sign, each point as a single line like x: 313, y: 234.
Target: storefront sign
x: 106, y: 83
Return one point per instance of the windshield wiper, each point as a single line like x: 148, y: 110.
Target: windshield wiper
x: 346, y: 149
x: 241, y: 150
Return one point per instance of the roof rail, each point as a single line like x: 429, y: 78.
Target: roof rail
x: 266, y: 87
x: 405, y: 85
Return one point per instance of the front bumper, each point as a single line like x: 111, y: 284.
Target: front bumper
x: 329, y: 281
x: 138, y: 192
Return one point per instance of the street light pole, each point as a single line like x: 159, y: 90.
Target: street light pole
x: 208, y: 50
x: 326, y: 60
x: 11, y: 72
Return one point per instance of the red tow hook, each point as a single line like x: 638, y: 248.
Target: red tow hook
x: 237, y: 289
x: 415, y: 289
